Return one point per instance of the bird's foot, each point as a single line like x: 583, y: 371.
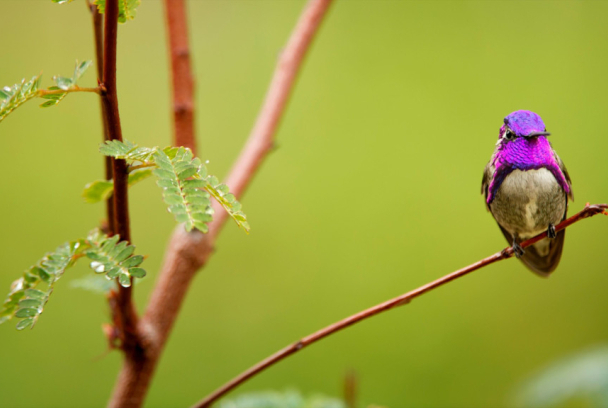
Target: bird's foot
x: 518, y: 250
x: 551, y: 233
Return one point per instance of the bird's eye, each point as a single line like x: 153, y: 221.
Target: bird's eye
x: 509, y: 135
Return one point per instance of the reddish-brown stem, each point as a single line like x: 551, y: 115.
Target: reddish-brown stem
x: 181, y: 74
x: 588, y: 211
x: 125, y: 315
x: 123, y: 310
x: 188, y: 252
x: 350, y: 389
x: 98, y: 38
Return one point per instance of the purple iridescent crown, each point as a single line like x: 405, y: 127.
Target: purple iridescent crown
x: 523, y: 122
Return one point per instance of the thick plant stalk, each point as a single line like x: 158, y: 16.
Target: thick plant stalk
x: 125, y: 318
x: 181, y: 74
x: 188, y: 252
x: 588, y: 211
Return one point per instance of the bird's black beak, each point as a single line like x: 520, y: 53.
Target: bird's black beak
x: 535, y: 134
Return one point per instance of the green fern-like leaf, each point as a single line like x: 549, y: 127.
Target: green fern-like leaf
x: 181, y: 191
x: 222, y: 194
x: 185, y: 181
x: 54, y: 99
x: 11, y: 97
x: 114, y: 259
x: 127, y: 151
x: 126, y: 9
x: 116, y: 148
x: 30, y: 293
x: 101, y: 190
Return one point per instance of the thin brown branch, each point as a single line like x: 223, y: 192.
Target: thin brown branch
x: 188, y: 252
x: 98, y: 39
x: 124, y: 315
x: 181, y: 74
x: 97, y: 36
x: 588, y: 211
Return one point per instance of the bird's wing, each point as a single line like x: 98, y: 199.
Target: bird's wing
x: 488, y: 171
x: 562, y: 167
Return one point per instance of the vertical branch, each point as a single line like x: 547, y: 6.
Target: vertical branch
x: 350, y: 389
x: 187, y: 252
x: 181, y: 73
x: 125, y: 317
x: 125, y: 313
x: 98, y: 37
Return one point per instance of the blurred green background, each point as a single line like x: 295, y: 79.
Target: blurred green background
x: 373, y: 191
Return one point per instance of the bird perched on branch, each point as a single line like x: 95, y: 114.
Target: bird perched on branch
x: 526, y: 187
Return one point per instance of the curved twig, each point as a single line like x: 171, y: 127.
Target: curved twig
x: 588, y: 211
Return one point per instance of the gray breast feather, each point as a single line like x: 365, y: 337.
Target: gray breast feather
x: 528, y: 201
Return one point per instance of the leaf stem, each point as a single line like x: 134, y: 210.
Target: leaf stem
x: 141, y: 166
x: 43, y: 92
x: 588, y: 211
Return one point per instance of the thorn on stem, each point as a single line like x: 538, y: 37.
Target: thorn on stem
x: 102, y: 88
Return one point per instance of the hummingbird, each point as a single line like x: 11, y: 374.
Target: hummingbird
x: 526, y: 188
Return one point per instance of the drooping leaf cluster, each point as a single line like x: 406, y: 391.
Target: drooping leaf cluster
x: 114, y: 259
x: 14, y: 96
x: 184, y: 179
x: 11, y: 97
x: 30, y: 293
x: 126, y: 9
x: 185, y: 195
